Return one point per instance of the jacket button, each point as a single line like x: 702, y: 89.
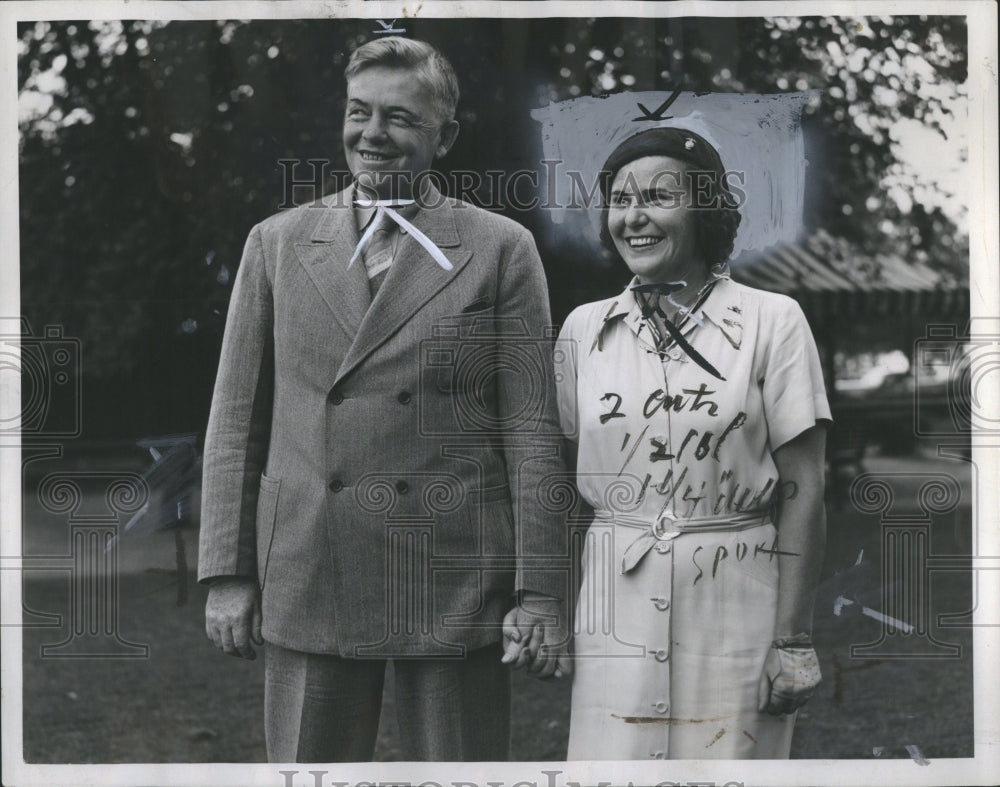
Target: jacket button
x: 336, y: 485
x: 661, y: 603
x: 661, y: 655
x: 663, y: 547
x: 402, y: 487
x: 403, y: 397
x: 336, y: 397
x: 661, y: 707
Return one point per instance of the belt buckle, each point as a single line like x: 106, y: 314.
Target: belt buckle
x: 659, y: 528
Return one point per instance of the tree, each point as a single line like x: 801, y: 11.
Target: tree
x: 148, y: 150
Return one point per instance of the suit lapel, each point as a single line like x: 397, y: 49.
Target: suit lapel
x: 412, y: 281
x: 325, y: 259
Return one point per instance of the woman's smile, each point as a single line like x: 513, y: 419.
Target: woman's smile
x: 644, y: 241
x: 651, y: 224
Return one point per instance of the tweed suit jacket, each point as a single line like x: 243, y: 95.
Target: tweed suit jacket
x: 376, y: 464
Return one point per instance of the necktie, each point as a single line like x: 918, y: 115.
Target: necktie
x: 383, y: 213
x: 379, y: 252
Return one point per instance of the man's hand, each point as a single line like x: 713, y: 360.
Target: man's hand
x: 790, y: 676
x: 232, y: 616
x: 536, y: 635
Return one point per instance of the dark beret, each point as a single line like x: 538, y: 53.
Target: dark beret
x: 676, y: 143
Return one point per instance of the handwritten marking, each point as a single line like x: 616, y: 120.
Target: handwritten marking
x: 635, y: 448
x: 673, y: 491
x: 736, y: 423
x: 718, y: 735
x: 772, y: 551
x: 701, y: 451
x: 700, y: 572
x: 599, y: 339
x: 691, y: 433
x: 695, y: 499
x: 660, y: 453
x: 657, y: 114
x: 721, y: 553
x: 605, y: 417
x: 388, y: 28
x: 842, y: 601
x: 667, y: 720
x: 916, y: 755
x: 660, y: 399
x: 700, y: 392
x: 645, y: 484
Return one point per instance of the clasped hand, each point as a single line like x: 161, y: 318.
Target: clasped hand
x: 789, y: 678
x: 536, y: 636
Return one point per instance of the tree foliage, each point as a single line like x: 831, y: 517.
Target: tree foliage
x: 148, y: 150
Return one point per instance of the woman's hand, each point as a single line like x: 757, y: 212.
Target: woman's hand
x: 791, y: 675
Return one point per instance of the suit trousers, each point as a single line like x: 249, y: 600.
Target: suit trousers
x: 324, y: 708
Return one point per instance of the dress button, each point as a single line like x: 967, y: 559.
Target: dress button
x: 336, y: 485
x: 661, y: 603
x: 336, y: 397
x: 403, y: 397
x: 661, y: 707
x: 661, y: 655
x: 663, y: 547
x: 402, y: 487
x: 657, y: 755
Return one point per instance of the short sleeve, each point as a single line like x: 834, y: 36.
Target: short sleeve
x: 793, y: 392
x: 565, y: 362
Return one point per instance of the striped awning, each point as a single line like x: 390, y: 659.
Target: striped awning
x: 827, y: 278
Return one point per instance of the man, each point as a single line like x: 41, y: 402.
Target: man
x: 371, y: 471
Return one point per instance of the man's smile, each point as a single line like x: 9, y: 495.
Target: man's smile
x: 374, y: 157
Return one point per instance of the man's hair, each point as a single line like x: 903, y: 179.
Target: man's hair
x: 427, y: 64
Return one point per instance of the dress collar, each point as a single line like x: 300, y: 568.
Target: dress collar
x: 723, y: 309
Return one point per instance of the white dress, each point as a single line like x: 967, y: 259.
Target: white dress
x: 669, y: 648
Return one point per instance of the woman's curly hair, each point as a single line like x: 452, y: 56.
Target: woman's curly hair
x: 717, y: 218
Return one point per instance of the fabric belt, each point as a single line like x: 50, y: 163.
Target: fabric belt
x: 666, y: 528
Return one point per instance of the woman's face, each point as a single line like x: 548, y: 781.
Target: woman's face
x: 651, y: 221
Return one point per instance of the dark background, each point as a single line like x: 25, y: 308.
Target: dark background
x: 130, y: 238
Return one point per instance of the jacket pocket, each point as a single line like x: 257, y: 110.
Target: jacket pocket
x: 481, y: 305
x: 267, y: 514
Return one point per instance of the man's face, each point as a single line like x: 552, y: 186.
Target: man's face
x: 392, y: 130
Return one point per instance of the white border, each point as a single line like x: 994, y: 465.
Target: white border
x: 985, y: 302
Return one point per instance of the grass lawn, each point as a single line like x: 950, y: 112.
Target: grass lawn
x: 186, y: 702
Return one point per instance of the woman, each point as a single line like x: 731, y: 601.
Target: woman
x: 698, y: 411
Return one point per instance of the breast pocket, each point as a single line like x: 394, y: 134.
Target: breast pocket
x: 267, y: 515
